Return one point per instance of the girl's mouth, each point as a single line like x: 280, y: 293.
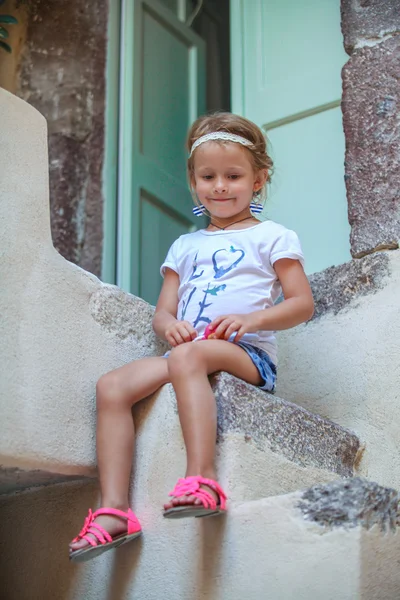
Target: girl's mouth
x: 220, y: 199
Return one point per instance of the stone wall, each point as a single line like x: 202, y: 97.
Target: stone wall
x: 371, y: 105
x: 62, y: 74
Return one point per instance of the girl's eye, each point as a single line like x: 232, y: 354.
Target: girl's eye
x: 207, y: 176
x: 234, y: 176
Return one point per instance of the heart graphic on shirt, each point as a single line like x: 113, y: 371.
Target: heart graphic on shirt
x: 221, y: 270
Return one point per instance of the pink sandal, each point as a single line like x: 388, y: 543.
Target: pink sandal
x: 190, y: 486
x: 103, y: 540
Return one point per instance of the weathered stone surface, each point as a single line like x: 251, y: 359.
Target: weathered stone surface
x: 63, y: 76
x: 285, y: 428
x: 13, y: 479
x: 366, y: 21
x: 371, y: 105
x: 125, y: 315
x: 334, y: 288
x: 351, y: 503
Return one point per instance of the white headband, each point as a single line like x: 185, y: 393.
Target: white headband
x: 220, y: 135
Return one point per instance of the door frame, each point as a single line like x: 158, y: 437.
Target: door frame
x: 123, y: 70
x: 236, y: 26
x: 111, y: 143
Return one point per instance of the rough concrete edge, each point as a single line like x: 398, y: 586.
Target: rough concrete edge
x: 243, y: 408
x: 14, y: 479
x: 24, y: 106
x: 335, y: 288
x: 124, y: 315
x: 351, y: 503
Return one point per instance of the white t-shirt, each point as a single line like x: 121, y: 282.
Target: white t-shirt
x: 231, y: 272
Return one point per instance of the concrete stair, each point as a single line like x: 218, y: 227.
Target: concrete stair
x: 335, y: 541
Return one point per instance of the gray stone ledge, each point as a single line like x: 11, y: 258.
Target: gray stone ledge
x: 351, y: 503
x: 334, y: 288
x: 285, y: 428
x: 124, y: 316
x: 13, y: 479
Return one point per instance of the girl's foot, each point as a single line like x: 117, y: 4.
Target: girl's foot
x: 190, y: 500
x: 195, y: 496
x: 113, y: 525
x: 103, y: 530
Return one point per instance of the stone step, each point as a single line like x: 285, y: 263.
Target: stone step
x: 336, y: 541
x: 13, y: 479
x: 283, y: 427
x: 266, y: 445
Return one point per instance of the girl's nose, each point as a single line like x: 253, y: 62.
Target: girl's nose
x: 220, y: 187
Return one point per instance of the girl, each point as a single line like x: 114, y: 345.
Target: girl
x: 217, y: 310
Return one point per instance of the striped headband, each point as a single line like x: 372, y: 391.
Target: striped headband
x: 220, y: 135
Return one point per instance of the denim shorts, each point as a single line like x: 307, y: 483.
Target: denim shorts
x: 264, y: 365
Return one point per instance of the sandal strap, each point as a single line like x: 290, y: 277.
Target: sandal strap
x: 133, y: 524
x: 190, y: 486
x: 100, y: 534
x: 87, y: 523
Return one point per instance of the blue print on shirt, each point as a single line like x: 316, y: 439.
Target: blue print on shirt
x: 213, y: 292
x: 193, y: 276
x: 186, y: 304
x: 221, y: 271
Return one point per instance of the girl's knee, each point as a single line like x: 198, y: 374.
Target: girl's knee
x: 109, y: 390
x: 185, y: 359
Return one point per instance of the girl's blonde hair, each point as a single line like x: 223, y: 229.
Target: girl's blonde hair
x: 230, y: 123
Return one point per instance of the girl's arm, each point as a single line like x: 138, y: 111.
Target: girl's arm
x: 297, y: 307
x: 165, y: 323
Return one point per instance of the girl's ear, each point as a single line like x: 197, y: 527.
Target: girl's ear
x: 192, y: 182
x: 260, y: 180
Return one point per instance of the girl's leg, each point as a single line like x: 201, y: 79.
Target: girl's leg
x: 189, y: 366
x: 116, y: 393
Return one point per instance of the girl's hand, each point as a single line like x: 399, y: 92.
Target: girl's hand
x: 223, y: 327
x: 180, y: 332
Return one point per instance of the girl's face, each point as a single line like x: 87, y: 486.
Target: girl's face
x: 224, y: 178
